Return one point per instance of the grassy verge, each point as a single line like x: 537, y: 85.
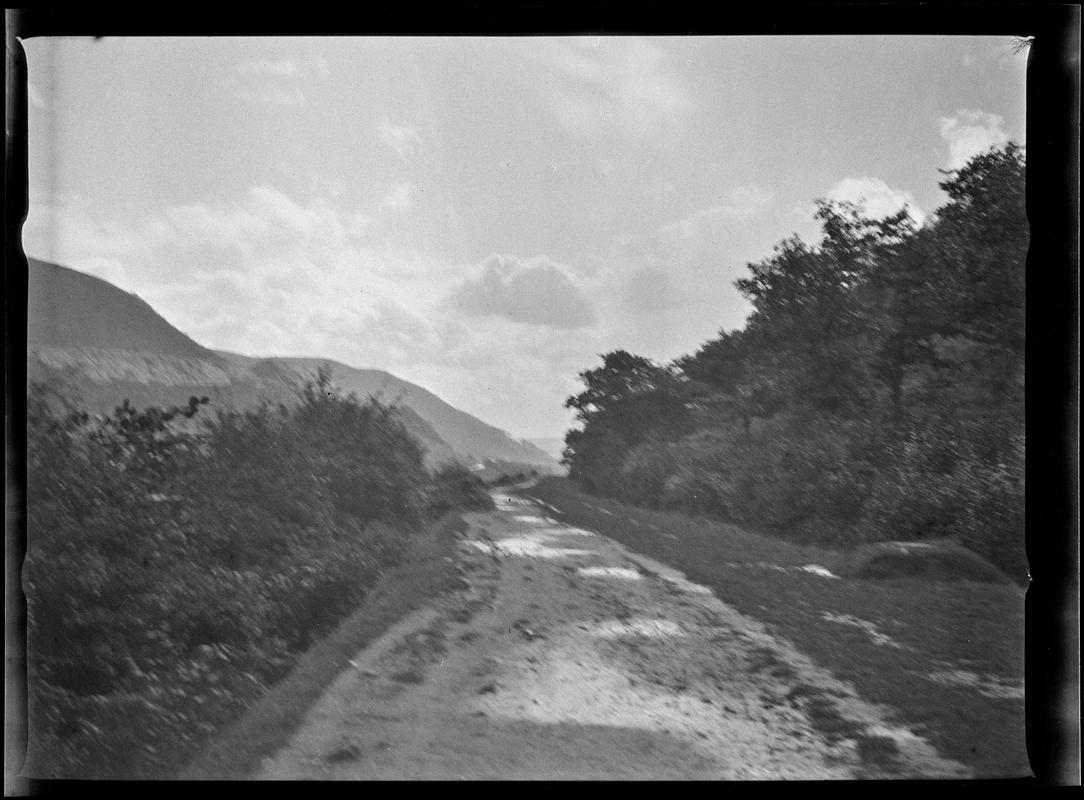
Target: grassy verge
x: 938, y: 626
x: 238, y: 750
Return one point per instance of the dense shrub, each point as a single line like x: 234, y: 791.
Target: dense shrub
x: 454, y: 486
x: 936, y: 486
x: 646, y: 470
x: 173, y: 571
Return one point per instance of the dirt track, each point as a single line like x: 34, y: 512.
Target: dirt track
x: 565, y: 656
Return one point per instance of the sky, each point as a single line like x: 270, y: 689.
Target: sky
x: 483, y: 216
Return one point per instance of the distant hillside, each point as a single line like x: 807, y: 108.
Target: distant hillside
x: 550, y: 444
x: 66, y: 308
x: 109, y: 345
x: 465, y: 434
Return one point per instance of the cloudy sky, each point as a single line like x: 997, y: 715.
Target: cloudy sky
x: 482, y: 216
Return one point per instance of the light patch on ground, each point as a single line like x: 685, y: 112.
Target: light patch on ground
x: 902, y: 736
x: 532, y: 547
x: 689, y: 587
x: 670, y: 576
x: 610, y: 572
x: 507, y: 502
x: 868, y: 627
x: 988, y: 685
x: 819, y: 571
x: 577, y: 532
x: 648, y: 628
x: 810, y: 569
x: 582, y: 686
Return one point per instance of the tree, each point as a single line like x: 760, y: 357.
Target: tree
x: 626, y: 400
x: 810, y: 303
x: 876, y: 390
x: 981, y: 247
x: 730, y: 375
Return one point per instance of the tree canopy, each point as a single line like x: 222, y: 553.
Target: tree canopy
x: 875, y: 391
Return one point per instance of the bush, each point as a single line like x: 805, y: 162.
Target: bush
x: 172, y: 572
x: 806, y: 481
x: 938, y: 560
x: 935, y: 485
x: 456, y: 487
x: 645, y: 473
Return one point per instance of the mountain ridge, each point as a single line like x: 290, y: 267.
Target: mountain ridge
x: 111, y: 344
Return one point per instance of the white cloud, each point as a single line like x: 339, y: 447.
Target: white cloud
x: 535, y: 291
x: 267, y: 274
x: 663, y: 292
x: 383, y: 332
x: 607, y: 84
x: 969, y: 133
x: 402, y: 138
x: 59, y: 228
x: 358, y: 224
x: 264, y: 252
x: 876, y: 198
x: 649, y: 289
x: 497, y: 365
x: 274, y: 82
x: 264, y: 226
x: 742, y: 203
x: 399, y: 199
x: 270, y: 274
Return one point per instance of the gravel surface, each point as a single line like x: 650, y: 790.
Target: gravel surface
x: 565, y: 656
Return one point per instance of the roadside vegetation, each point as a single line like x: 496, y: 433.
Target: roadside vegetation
x: 176, y: 570
x: 428, y: 570
x: 875, y: 393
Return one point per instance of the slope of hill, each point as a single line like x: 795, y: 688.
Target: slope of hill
x: 66, y: 308
x: 273, y: 379
x: 108, y: 345
x: 553, y: 445
x: 465, y: 434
